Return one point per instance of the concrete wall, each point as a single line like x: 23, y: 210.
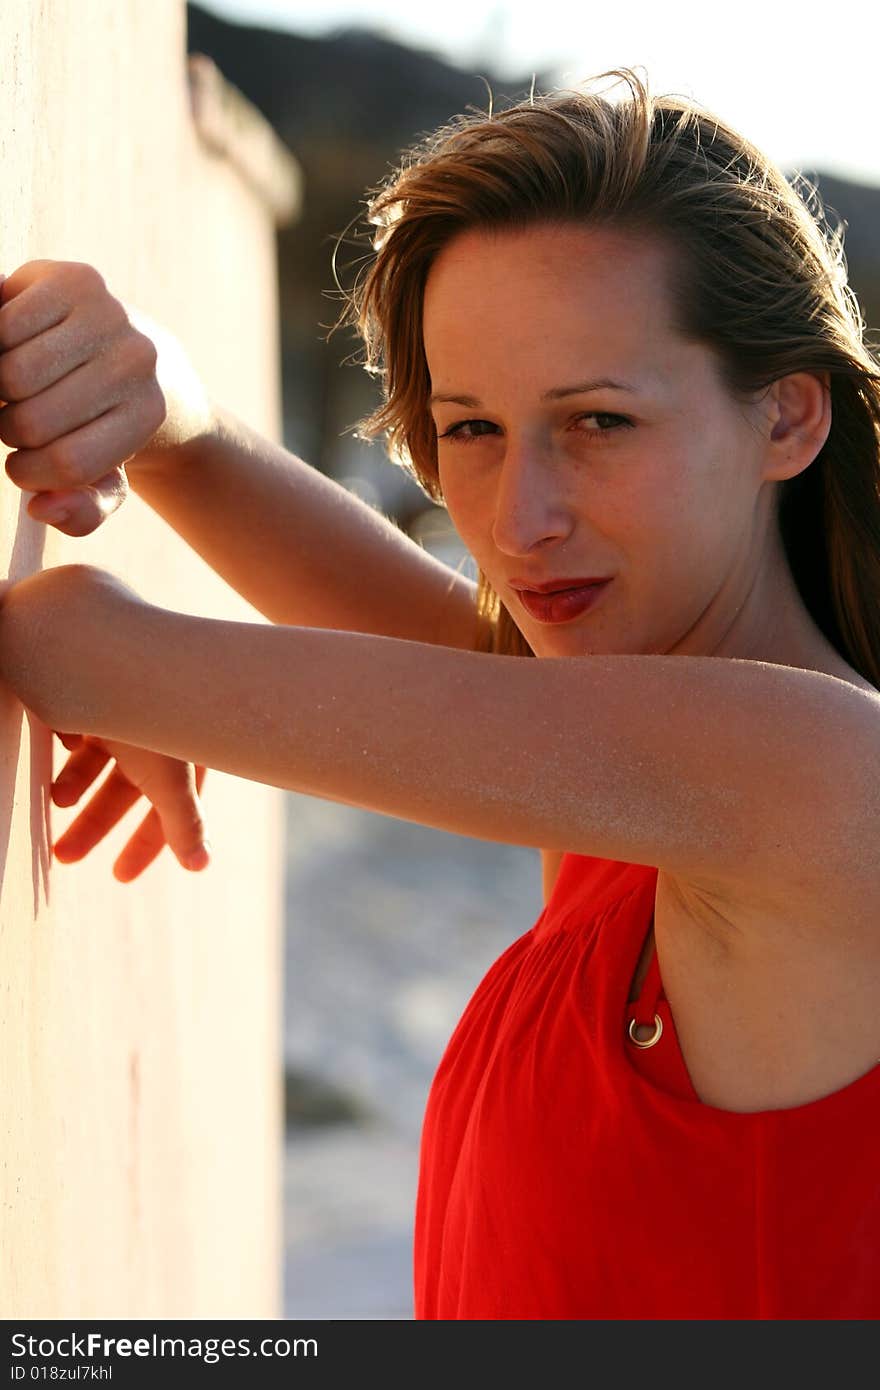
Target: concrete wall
x: 140, y: 1025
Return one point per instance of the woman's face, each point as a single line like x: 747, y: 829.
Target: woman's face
x: 654, y: 483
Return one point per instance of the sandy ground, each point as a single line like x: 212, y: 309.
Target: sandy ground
x: 390, y: 927
x: 349, y: 1200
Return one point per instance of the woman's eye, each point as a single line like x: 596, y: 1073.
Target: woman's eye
x: 602, y: 416
x: 467, y: 429
x: 605, y: 423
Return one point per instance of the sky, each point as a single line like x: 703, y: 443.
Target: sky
x: 797, y: 79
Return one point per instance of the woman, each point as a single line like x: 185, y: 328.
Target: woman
x: 622, y: 351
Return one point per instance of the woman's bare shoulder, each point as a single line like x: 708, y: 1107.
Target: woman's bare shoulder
x: 774, y: 995
x: 773, y: 985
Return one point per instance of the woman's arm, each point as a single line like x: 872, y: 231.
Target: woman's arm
x: 299, y: 547
x: 724, y: 772
x: 89, y: 384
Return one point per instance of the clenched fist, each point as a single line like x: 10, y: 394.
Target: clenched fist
x: 80, y: 392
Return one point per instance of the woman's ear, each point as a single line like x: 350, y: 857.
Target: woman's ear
x: 800, y: 406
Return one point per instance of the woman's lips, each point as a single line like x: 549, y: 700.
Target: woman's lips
x: 564, y: 604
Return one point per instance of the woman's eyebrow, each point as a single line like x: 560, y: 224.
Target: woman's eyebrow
x: 556, y: 393
x: 581, y: 387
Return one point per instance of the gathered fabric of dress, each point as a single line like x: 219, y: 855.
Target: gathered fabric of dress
x: 566, y: 1173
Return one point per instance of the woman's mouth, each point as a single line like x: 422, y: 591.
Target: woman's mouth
x: 563, y: 604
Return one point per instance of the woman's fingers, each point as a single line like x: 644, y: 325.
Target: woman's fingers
x: 39, y: 352
x: 113, y: 798
x: 79, y: 772
x: 176, y: 817
x: 79, y: 475
x: 171, y: 785
x: 80, y: 511
x: 80, y: 392
x: 55, y: 412
x: 147, y: 842
x: 175, y: 797
x: 43, y: 293
x: 143, y: 847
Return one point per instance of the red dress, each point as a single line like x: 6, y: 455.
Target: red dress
x: 567, y: 1174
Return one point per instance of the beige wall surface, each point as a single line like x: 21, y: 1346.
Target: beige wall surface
x: 140, y: 1024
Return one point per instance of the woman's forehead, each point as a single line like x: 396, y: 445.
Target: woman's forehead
x: 591, y: 257
x: 546, y: 283
x: 559, y: 305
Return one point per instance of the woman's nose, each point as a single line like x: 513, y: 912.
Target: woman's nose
x: 529, y: 505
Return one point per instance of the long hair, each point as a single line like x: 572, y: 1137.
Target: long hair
x: 760, y: 277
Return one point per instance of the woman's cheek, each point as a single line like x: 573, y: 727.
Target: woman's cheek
x: 465, y: 505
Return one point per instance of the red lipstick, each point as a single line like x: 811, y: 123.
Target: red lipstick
x: 560, y: 600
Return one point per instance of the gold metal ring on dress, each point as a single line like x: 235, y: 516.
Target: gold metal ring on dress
x: 647, y: 1042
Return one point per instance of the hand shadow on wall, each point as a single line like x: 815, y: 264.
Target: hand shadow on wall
x: 26, y: 558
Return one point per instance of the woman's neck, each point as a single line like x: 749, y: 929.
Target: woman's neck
x: 773, y: 624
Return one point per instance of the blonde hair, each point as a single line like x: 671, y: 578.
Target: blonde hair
x: 758, y: 277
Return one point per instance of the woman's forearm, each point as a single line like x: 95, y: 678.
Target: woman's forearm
x: 621, y: 756
x: 346, y: 716
x: 294, y: 543
x: 299, y: 547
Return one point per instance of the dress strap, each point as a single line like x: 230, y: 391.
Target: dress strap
x: 643, y: 1011
x: 648, y: 1020
x: 652, y: 989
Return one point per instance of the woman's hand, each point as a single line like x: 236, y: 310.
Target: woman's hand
x: 81, y: 391
x: 172, y: 786
x: 56, y: 626
x: 62, y: 639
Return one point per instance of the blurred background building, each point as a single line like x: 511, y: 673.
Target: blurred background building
x: 389, y: 927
